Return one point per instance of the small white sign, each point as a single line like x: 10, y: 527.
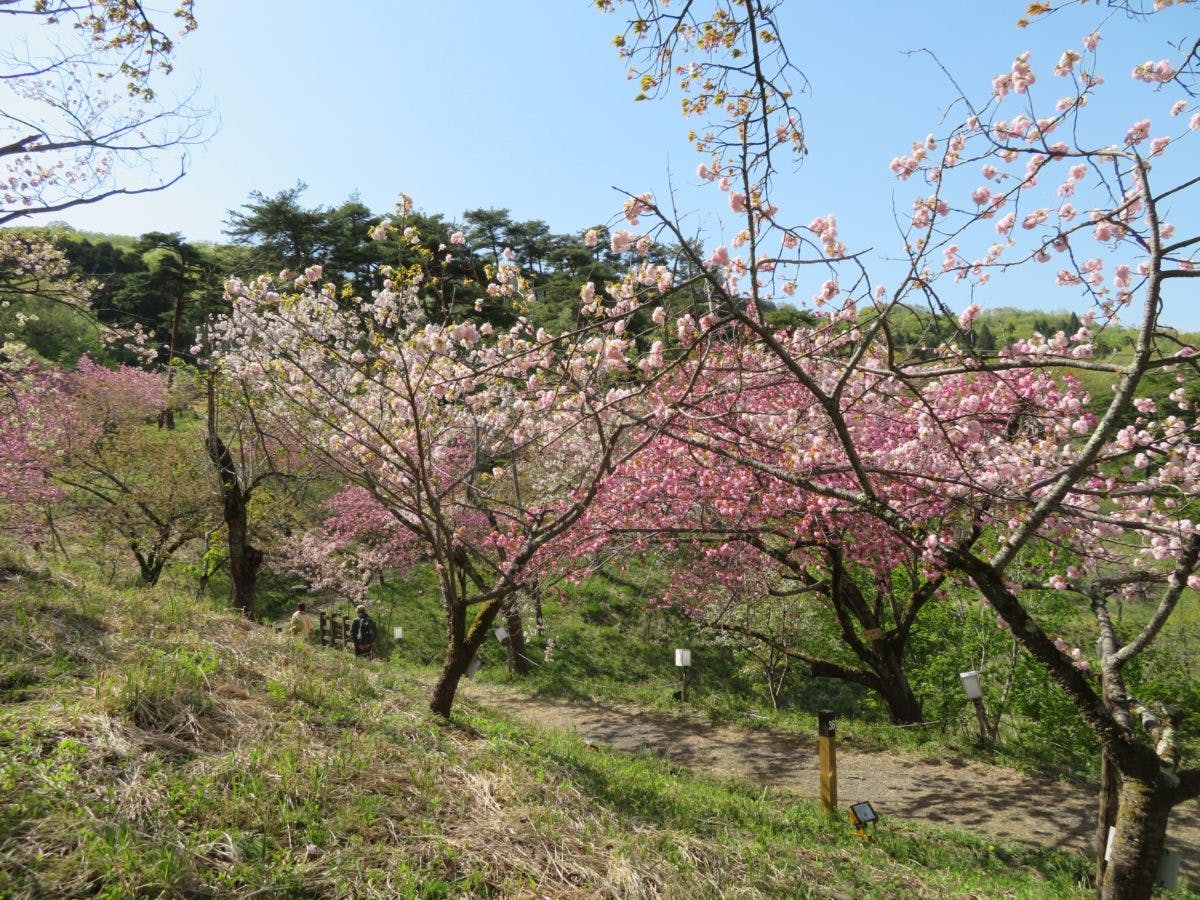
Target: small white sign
x: 473, y: 667
x: 970, y: 683
x: 398, y: 633
x: 683, y: 658
x: 502, y: 634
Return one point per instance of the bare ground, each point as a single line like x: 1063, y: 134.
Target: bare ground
x: 991, y: 801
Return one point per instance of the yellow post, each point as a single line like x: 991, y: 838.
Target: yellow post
x: 827, y: 746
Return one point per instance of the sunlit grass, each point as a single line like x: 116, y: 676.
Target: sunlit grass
x: 156, y: 746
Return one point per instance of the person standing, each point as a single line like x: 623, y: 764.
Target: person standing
x: 300, y: 624
x: 363, y: 633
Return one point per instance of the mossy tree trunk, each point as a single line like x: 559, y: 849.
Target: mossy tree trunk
x: 1145, y: 801
x: 518, y: 659
x: 1106, y: 814
x: 462, y: 644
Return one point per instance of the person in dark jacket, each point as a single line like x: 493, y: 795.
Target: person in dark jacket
x: 363, y: 632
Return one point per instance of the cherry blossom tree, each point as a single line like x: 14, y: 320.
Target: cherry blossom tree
x: 106, y: 465
x: 35, y: 419
x: 485, y: 447
x: 1010, y: 183
x: 32, y: 267
x: 356, y: 544
x: 732, y: 479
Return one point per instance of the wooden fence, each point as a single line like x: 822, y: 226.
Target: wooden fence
x: 331, y: 631
x: 334, y: 631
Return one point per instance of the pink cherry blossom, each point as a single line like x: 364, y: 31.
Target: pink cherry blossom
x: 1154, y: 72
x: 1138, y: 132
x: 635, y: 206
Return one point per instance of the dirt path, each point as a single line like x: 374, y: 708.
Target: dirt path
x: 991, y: 801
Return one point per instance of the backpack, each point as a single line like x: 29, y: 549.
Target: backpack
x: 363, y: 630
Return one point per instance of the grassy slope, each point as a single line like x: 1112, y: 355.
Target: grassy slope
x: 149, y: 744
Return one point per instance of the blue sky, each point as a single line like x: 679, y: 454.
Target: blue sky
x: 524, y: 105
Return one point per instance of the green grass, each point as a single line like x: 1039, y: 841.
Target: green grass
x: 608, y: 646
x: 153, y: 745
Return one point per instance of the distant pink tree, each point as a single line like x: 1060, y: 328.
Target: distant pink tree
x: 356, y: 544
x: 125, y: 482
x: 36, y: 420
x: 109, y: 399
x: 80, y: 445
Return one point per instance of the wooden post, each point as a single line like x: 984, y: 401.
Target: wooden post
x: 827, y: 745
x: 347, y: 644
x: 981, y: 718
x: 325, y: 628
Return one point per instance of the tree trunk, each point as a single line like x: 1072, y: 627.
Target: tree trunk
x: 461, y: 646
x: 167, y: 417
x: 149, y: 567
x: 244, y: 558
x: 903, y: 707
x: 1145, y: 805
x: 883, y: 653
x: 887, y: 660
x: 457, y: 660
x: 893, y: 689
x: 774, y: 688
x: 518, y: 659
x: 1107, y: 811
